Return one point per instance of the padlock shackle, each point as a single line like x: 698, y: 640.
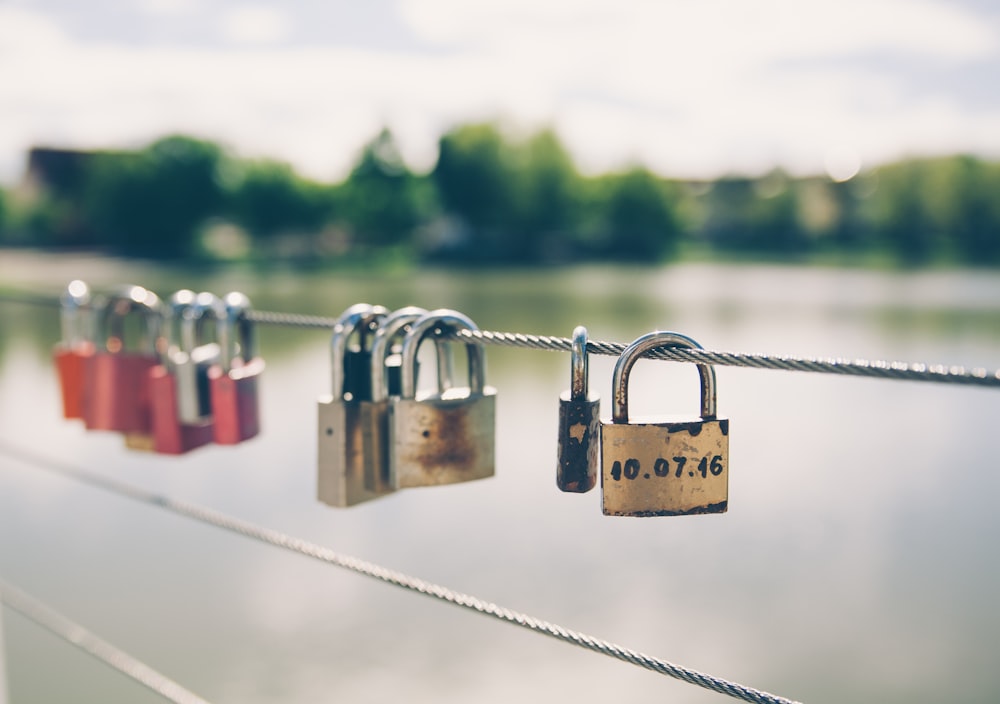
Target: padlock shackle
x: 75, y: 314
x: 391, y: 327
x: 124, y: 301
x: 205, y: 304
x: 173, y: 313
x: 361, y: 317
x: 437, y: 322
x: 642, y: 346
x: 579, y: 376
x: 234, y: 329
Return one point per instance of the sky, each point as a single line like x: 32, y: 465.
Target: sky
x: 689, y: 88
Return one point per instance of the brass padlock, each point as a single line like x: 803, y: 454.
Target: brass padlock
x: 447, y: 436
x: 342, y: 463
x: 663, y: 467
x: 579, y: 424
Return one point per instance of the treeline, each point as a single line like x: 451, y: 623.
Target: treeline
x: 492, y: 198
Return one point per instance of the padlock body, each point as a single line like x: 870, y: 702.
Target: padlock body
x: 341, y: 460
x: 116, y: 391
x: 442, y: 438
x: 234, y: 402
x: 669, y: 468
x: 71, y: 362
x: 374, y: 420
x: 579, y: 441
x: 171, y: 435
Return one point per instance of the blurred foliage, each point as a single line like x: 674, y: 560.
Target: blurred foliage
x: 493, y: 197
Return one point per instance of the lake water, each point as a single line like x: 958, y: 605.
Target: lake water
x: 858, y: 560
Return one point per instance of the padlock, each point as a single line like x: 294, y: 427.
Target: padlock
x: 386, y: 381
x: 233, y: 382
x: 342, y: 464
x: 447, y: 436
x: 194, y: 357
x: 174, y: 434
x: 663, y: 467
x: 579, y: 424
x: 76, y: 346
x: 116, y: 389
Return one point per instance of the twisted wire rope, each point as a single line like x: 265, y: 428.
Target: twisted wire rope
x: 328, y: 556
x: 880, y: 369
x: 80, y: 637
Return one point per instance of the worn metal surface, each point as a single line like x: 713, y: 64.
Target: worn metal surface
x: 443, y: 438
x: 663, y: 467
x: 579, y: 422
x: 579, y: 443
x: 344, y: 454
x: 669, y: 468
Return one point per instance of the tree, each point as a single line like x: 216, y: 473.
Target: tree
x: 382, y: 199
x: 641, y: 218
x: 268, y: 198
x: 151, y: 203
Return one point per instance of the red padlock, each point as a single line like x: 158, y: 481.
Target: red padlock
x: 234, y: 381
x: 76, y: 346
x: 173, y: 433
x: 116, y: 388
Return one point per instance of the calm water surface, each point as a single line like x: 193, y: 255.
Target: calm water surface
x: 858, y: 560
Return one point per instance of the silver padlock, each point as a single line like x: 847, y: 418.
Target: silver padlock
x: 386, y: 382
x: 446, y: 436
x: 188, y: 360
x: 579, y: 424
x: 663, y: 467
x: 342, y: 463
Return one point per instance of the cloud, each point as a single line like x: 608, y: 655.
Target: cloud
x: 689, y: 88
x: 256, y: 24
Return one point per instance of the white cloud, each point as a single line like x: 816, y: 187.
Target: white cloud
x: 690, y: 88
x: 256, y: 24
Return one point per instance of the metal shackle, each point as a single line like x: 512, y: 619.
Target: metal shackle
x: 437, y: 322
x: 173, y: 314
x: 234, y: 329
x: 639, y: 347
x: 361, y: 317
x: 388, y: 328
x: 579, y: 374
x: 75, y: 314
x: 193, y: 316
x: 124, y: 301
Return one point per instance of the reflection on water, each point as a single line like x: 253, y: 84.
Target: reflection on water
x: 857, y: 560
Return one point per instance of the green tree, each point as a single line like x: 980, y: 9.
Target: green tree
x: 641, y: 217
x: 268, y: 198
x: 902, y: 214
x: 475, y: 177
x: 151, y: 203
x: 382, y: 200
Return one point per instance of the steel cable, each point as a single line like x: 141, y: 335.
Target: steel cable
x: 881, y: 369
x: 77, y: 635
x: 326, y: 555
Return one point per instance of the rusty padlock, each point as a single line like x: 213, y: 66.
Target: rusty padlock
x: 77, y: 345
x: 233, y: 386
x: 173, y: 432
x: 342, y: 465
x: 386, y: 382
x: 116, y: 388
x: 579, y: 424
x: 663, y: 467
x: 447, y: 436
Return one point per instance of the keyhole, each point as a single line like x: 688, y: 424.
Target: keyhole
x: 329, y: 432
x: 426, y: 433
